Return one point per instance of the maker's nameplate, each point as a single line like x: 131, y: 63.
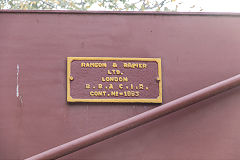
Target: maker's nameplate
x: 105, y: 79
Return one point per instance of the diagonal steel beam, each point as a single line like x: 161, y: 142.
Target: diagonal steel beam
x: 137, y: 120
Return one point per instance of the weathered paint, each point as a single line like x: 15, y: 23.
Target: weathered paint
x: 17, y: 87
x: 196, y: 51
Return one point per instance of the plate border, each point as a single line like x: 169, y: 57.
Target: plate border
x: 145, y: 100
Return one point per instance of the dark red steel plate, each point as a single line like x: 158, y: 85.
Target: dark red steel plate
x: 196, y: 51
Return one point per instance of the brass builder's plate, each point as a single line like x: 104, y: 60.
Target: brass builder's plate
x: 106, y: 79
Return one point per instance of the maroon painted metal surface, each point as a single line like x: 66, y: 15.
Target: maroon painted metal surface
x: 138, y: 120
x: 196, y: 51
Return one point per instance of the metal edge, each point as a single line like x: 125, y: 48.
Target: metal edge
x: 157, y: 13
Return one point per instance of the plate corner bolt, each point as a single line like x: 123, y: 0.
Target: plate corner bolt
x: 71, y: 78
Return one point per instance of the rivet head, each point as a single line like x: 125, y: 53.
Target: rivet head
x: 71, y: 78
